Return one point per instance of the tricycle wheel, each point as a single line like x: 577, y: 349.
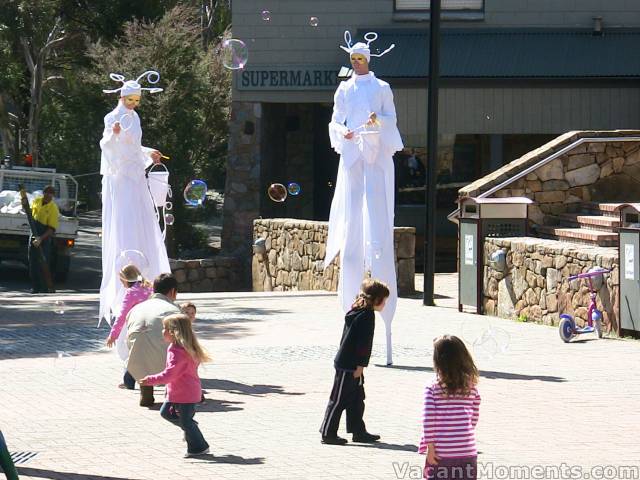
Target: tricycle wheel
x: 567, y: 329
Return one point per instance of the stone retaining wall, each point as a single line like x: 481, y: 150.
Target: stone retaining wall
x: 534, y: 286
x: 593, y: 171
x: 296, y: 250
x: 216, y: 274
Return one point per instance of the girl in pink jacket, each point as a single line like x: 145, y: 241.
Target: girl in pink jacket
x: 138, y: 290
x: 180, y: 375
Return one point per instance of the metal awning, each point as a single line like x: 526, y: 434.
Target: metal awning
x: 509, y: 53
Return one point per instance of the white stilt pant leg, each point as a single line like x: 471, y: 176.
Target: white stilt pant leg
x: 352, y: 254
x: 382, y: 255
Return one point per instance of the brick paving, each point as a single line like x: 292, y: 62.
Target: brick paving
x: 544, y: 402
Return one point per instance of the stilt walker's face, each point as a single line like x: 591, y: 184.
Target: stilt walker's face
x: 359, y: 64
x: 131, y: 101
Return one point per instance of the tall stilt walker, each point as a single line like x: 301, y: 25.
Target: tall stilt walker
x: 363, y: 131
x: 129, y: 217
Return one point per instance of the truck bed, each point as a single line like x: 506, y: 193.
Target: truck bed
x: 17, y: 224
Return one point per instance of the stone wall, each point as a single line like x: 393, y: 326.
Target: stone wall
x: 295, y: 251
x: 593, y: 171
x: 216, y: 274
x: 534, y: 283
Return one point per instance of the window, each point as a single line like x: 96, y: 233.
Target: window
x: 450, y: 5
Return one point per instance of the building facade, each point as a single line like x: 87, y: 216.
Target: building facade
x: 515, y: 74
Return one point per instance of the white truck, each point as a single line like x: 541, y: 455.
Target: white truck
x: 14, y: 227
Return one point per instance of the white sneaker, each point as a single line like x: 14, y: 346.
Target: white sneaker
x: 196, y: 454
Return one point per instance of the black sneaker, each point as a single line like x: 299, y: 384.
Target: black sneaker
x: 365, y: 437
x: 334, y: 440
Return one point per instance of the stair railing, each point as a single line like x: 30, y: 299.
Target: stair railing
x: 453, y: 216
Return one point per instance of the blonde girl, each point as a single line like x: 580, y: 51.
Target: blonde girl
x: 184, y: 389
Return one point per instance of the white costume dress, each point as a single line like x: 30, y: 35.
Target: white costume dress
x: 129, y: 220
x: 362, y: 210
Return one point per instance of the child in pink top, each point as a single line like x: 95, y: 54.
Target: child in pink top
x: 450, y: 414
x: 180, y: 375
x: 138, y: 290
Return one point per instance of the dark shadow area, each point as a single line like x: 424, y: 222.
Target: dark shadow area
x: 483, y: 373
x: 238, y: 388
x: 407, y: 447
x: 39, y: 473
x: 210, y: 405
x: 31, y: 329
x: 231, y: 459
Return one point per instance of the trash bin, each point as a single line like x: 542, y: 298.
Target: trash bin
x: 629, y: 241
x: 481, y: 218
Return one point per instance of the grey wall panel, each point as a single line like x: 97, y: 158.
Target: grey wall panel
x: 518, y: 110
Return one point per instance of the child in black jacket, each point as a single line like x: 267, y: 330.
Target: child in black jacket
x: 353, y: 355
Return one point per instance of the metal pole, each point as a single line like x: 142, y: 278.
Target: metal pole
x: 432, y: 153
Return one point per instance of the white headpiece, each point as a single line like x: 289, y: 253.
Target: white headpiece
x: 133, y: 87
x: 363, y: 48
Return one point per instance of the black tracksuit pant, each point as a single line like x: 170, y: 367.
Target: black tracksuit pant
x: 347, y: 394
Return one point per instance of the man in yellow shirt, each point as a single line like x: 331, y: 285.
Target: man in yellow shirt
x: 45, y: 215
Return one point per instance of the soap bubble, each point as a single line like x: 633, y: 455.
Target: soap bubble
x: 59, y: 307
x: 234, y: 54
x: 126, y: 121
x: 64, y: 362
x: 277, y: 192
x: 168, y: 206
x: 266, y: 15
x: 491, y: 342
x: 313, y: 21
x: 195, y: 193
x: 169, y: 219
x: 133, y: 257
x: 293, y: 189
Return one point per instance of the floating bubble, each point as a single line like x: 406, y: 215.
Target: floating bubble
x: 195, y: 193
x: 169, y: 219
x: 313, y: 21
x: 293, y: 189
x: 234, y: 54
x: 64, y: 362
x: 491, y: 342
x: 473, y: 327
x: 488, y: 117
x: 168, y: 206
x: 126, y: 121
x: 277, y: 192
x: 133, y: 257
x: 266, y: 15
x: 59, y: 307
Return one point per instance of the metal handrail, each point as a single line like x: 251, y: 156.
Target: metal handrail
x: 542, y: 163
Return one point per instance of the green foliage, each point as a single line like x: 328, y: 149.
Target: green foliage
x: 187, y: 122
x: 523, y: 318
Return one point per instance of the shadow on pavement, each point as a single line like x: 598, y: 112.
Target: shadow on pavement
x: 38, y: 473
x: 243, y: 388
x: 31, y: 329
x: 483, y: 373
x: 231, y: 459
x: 407, y: 447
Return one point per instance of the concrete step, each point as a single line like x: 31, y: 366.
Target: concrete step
x: 589, y: 222
x: 578, y: 235
x: 595, y: 208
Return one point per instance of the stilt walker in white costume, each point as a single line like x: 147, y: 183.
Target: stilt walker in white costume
x: 129, y: 219
x: 363, y: 131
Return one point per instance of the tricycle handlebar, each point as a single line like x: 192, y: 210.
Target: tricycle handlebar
x: 589, y: 274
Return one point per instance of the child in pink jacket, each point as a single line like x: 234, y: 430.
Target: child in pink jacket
x: 181, y: 378
x: 138, y: 290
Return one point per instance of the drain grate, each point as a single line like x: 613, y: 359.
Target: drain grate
x: 20, y: 458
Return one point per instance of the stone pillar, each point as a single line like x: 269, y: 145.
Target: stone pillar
x: 242, y: 188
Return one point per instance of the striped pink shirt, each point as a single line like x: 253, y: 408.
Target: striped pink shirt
x: 449, y: 422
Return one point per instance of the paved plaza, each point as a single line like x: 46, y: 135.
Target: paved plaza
x: 544, y: 403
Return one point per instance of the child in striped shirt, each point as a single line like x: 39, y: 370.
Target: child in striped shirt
x: 450, y: 414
